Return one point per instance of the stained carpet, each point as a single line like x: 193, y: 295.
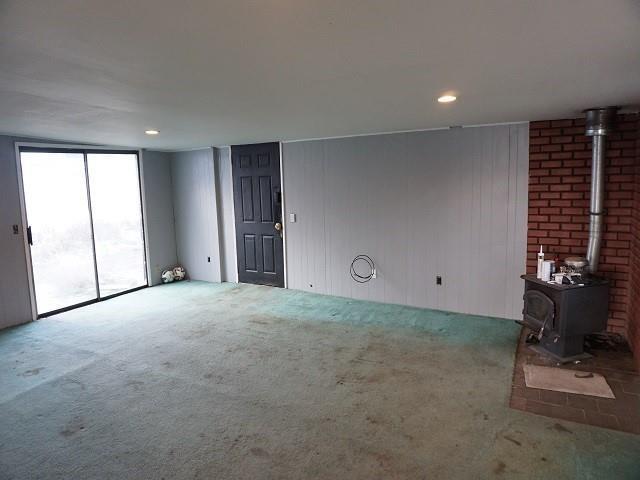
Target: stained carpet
x: 225, y: 381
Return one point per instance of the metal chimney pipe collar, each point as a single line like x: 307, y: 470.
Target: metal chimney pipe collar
x: 600, y: 121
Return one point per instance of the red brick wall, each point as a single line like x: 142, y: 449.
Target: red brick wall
x: 559, y: 184
x: 634, y: 304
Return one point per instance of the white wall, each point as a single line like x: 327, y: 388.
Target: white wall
x: 159, y: 223
x: 448, y: 202
x: 226, y: 219
x: 195, y: 213
x: 15, y: 304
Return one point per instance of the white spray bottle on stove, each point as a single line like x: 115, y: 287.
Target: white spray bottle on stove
x: 540, y: 263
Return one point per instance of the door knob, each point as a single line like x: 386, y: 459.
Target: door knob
x: 278, y: 226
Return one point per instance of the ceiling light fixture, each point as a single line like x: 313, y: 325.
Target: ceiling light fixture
x: 447, y: 98
x: 151, y: 131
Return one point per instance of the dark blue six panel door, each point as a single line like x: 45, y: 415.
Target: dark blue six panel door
x: 258, y: 213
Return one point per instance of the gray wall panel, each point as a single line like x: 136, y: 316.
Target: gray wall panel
x: 195, y: 213
x: 161, y: 235
x: 449, y: 202
x: 226, y: 219
x: 305, y: 255
x: 15, y: 305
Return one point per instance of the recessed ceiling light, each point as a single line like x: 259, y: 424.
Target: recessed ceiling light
x: 447, y: 98
x: 151, y: 131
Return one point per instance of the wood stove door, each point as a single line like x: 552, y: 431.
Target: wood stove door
x: 539, y: 310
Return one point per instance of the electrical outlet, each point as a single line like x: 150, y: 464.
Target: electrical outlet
x: 438, y: 280
x: 208, y: 259
x: 374, y: 273
x: 16, y: 230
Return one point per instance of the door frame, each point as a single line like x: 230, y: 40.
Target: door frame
x: 77, y: 148
x: 282, y: 213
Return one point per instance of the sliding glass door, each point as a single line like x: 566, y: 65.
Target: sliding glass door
x: 55, y: 193
x: 84, y: 216
x: 117, y: 221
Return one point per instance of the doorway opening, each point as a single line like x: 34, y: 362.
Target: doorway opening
x: 84, y: 225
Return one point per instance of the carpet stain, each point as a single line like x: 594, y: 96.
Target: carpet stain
x: 136, y: 384
x: 32, y: 372
x: 499, y: 468
x: 74, y: 426
x: 512, y: 440
x: 372, y: 420
x: 72, y: 385
x: 560, y: 428
x: 259, y: 452
x: 385, y: 460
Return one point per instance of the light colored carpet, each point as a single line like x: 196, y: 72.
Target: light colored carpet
x: 224, y: 381
x: 568, y: 381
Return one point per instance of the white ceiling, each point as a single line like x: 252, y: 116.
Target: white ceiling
x: 211, y: 72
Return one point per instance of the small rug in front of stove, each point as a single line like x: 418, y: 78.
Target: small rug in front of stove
x: 568, y: 381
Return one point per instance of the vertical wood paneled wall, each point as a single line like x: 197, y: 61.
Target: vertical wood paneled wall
x: 449, y: 202
x: 226, y: 223
x: 195, y: 211
x: 161, y: 235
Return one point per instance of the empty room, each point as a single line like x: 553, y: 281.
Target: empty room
x: 319, y: 239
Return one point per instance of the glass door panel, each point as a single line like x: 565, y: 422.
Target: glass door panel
x: 55, y: 193
x: 117, y: 221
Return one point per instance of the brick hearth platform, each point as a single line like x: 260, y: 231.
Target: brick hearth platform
x: 615, y: 364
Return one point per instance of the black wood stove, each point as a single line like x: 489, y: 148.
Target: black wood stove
x: 561, y: 315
